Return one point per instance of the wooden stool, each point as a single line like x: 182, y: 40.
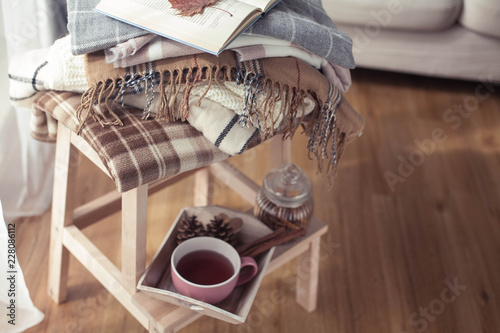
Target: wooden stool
x: 66, y: 236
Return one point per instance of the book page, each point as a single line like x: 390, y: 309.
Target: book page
x: 262, y: 4
x: 209, y: 31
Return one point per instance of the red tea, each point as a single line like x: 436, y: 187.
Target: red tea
x: 205, y: 267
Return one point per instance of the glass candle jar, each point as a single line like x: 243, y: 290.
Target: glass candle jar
x: 285, y: 198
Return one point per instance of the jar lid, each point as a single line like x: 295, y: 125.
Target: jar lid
x: 287, y: 186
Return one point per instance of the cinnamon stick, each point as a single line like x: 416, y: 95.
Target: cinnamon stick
x: 263, y: 239
x: 278, y: 237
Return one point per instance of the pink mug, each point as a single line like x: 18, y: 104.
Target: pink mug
x: 208, y: 269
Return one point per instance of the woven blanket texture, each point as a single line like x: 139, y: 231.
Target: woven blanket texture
x: 139, y: 152
x: 274, y: 100
x: 304, y: 23
x: 285, y: 80
x: 143, y: 151
x: 149, y: 48
x: 55, y: 68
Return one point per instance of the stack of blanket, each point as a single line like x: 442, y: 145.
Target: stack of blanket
x: 152, y: 107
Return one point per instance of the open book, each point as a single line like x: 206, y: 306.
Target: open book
x: 210, y: 31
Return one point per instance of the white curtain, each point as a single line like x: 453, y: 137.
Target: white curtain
x: 17, y: 312
x: 26, y: 165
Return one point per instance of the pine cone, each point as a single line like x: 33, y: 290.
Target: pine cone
x: 218, y: 228
x: 190, y: 228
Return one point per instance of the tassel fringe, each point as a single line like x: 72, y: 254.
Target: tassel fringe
x: 325, y: 142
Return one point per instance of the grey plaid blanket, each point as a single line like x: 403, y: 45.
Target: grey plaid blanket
x: 303, y: 22
x: 139, y: 152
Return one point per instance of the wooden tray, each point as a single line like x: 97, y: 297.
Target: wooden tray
x: 157, y: 282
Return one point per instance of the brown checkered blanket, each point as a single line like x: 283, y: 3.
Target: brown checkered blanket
x: 141, y: 151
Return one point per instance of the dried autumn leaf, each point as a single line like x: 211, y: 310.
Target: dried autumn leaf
x: 191, y: 7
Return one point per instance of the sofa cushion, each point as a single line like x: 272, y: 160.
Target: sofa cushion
x: 457, y: 52
x: 422, y: 15
x: 482, y: 16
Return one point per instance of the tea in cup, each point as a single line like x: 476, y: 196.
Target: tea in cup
x: 208, y: 269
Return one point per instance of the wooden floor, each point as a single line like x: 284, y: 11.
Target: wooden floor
x: 414, y: 238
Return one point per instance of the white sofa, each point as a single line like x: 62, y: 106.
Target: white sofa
x: 457, y: 39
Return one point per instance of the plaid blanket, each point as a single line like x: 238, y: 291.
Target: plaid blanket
x: 55, y: 68
x: 302, y: 22
x: 149, y: 48
x: 275, y: 91
x: 216, y: 122
x: 43, y: 127
x: 143, y: 49
x: 126, y: 49
x: 339, y: 76
x: 139, y: 152
x: 143, y: 151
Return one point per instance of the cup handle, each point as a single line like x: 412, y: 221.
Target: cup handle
x: 250, y: 272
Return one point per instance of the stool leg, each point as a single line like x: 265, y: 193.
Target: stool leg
x: 66, y: 164
x: 308, y: 276
x: 202, y: 182
x: 134, y: 227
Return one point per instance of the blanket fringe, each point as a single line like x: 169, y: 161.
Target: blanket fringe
x: 324, y: 141
x: 97, y: 102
